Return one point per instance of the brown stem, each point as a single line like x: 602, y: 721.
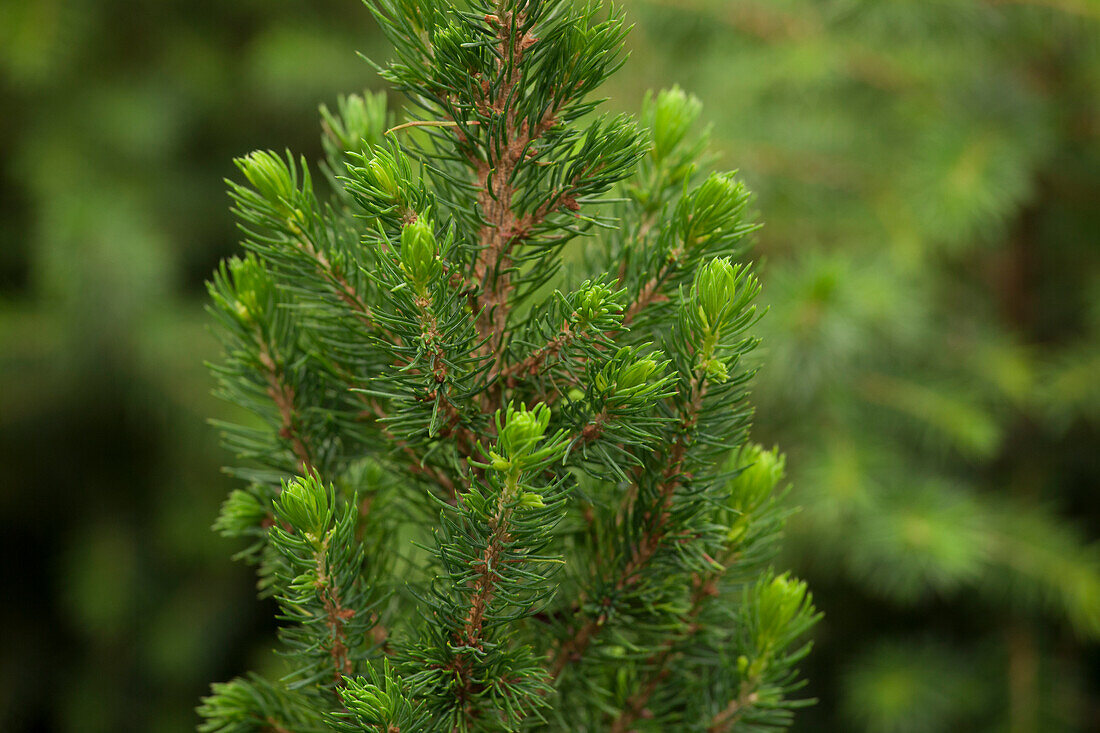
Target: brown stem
x: 574, y: 648
x: 339, y: 283
x: 434, y: 474
x: 336, y: 616
x: 283, y: 395
x: 650, y: 293
x: 483, y: 592
x: 594, y: 429
x: 671, y: 480
x: 658, y: 663
x: 725, y: 720
x: 430, y: 337
x: 502, y: 227
x: 484, y: 584
x: 274, y: 726
x: 533, y: 363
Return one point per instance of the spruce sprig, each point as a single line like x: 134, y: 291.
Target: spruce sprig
x: 489, y: 490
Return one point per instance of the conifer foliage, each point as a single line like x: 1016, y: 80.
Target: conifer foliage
x: 499, y: 476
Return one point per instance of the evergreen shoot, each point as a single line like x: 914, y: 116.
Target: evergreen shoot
x: 499, y: 475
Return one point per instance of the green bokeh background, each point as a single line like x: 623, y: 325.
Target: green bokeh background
x: 929, y: 175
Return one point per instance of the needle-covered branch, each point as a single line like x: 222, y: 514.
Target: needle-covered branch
x: 492, y: 491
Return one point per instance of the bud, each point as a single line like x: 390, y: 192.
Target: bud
x: 531, y: 500
x: 418, y: 252
x: 381, y: 172
x: 674, y: 112
x: 361, y: 121
x: 457, y: 48
x: 778, y: 602
x: 241, y: 513
x: 271, y: 177
x: 625, y: 377
x: 715, y: 291
x: 636, y: 374
x: 721, y: 192
x: 253, y: 287
x: 523, y: 428
x: 760, y: 471
x: 304, y: 504
x: 716, y: 370
x: 711, y: 211
x: 593, y: 301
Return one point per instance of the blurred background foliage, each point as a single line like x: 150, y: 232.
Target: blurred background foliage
x: 118, y: 120
x: 929, y: 175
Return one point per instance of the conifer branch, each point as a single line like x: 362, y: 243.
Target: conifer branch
x: 642, y: 552
x: 431, y: 338
x: 733, y: 712
x: 375, y: 413
x: 409, y: 316
x: 484, y: 587
x: 336, y: 615
x: 273, y: 725
x: 649, y: 293
x: 502, y: 227
x: 283, y: 395
x: 671, y: 481
x: 341, y: 286
x: 280, y: 212
x: 657, y: 664
x: 484, y: 583
x: 533, y: 363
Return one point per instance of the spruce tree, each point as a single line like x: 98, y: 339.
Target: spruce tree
x: 499, y: 476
